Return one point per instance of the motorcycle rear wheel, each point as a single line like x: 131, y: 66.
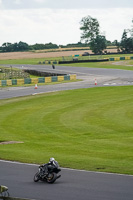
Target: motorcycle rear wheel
x: 52, y: 178
x: 36, y: 177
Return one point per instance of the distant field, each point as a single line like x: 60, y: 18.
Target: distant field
x: 88, y: 129
x: 43, y: 54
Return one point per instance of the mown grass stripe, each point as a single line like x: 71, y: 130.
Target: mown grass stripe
x: 88, y: 129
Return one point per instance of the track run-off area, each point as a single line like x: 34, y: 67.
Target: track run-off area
x: 74, y: 184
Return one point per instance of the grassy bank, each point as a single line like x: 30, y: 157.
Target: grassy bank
x: 88, y: 129
x: 124, y: 65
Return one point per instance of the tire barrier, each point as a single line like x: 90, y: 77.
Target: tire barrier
x: 82, y: 61
x: 74, y: 60
x: 29, y: 81
x: 43, y: 74
x: 49, y: 62
x: 121, y: 58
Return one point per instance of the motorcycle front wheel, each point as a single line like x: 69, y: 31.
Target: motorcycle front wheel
x: 51, y: 178
x: 36, y: 177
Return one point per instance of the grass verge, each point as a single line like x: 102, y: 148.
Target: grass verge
x: 88, y: 129
x: 124, y: 65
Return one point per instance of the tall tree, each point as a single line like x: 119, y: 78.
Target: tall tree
x: 132, y: 29
x: 98, y: 44
x: 117, y: 44
x: 90, y: 33
x: 126, y: 43
x: 90, y: 28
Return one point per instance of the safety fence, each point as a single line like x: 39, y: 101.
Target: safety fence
x: 121, y: 58
x: 38, y: 80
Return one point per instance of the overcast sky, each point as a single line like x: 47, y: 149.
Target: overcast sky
x: 58, y: 21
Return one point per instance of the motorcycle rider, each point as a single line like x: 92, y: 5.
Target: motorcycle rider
x: 51, y: 162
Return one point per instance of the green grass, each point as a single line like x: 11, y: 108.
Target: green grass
x: 33, y: 61
x: 88, y: 129
x: 107, y: 65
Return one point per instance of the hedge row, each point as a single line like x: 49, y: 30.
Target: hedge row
x: 43, y: 74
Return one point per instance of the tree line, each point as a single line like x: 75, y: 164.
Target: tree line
x: 90, y: 37
x: 22, y: 46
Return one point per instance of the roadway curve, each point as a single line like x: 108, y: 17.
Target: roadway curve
x: 73, y: 185
x: 104, y: 77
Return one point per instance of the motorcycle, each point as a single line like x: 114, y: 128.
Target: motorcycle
x: 49, y: 177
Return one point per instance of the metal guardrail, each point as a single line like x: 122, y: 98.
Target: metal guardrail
x: 38, y: 80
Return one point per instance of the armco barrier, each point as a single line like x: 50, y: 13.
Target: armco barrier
x: 49, y: 62
x: 127, y: 58
x: 66, y: 78
x: 37, y: 80
x: 54, y: 78
x: 27, y: 81
x: 4, y: 83
x: 121, y: 58
x: 14, y: 81
x: 34, y: 80
x: 20, y: 81
x: 111, y: 59
x: 60, y: 78
x: 116, y: 58
x: 41, y: 80
x: 9, y: 82
x: 48, y: 80
x: 73, y: 77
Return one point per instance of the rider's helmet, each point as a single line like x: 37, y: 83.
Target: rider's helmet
x: 51, y: 159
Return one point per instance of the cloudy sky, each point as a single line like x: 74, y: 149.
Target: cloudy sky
x: 58, y: 21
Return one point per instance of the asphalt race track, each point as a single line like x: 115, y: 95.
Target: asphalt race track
x: 73, y: 184
x: 104, y: 77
